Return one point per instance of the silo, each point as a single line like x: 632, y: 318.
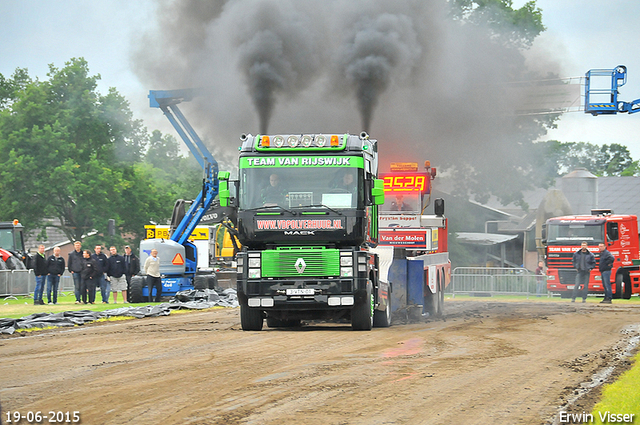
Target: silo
x: 581, y: 189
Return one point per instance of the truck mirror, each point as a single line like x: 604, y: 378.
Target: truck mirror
x: 438, y: 207
x: 543, y: 233
x: 377, y: 192
x: 223, y: 188
x: 223, y: 193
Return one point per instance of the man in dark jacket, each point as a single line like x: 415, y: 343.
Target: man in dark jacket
x: 55, y: 267
x: 75, y: 264
x: 116, y: 275
x: 605, y: 265
x: 90, y: 274
x: 132, y: 265
x: 101, y: 282
x: 583, y: 261
x: 41, y: 272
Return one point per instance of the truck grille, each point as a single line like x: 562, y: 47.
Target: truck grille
x: 560, y: 261
x: 301, y: 262
x: 564, y: 260
x: 567, y: 277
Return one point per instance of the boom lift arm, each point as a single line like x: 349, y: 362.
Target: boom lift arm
x: 604, y: 100
x: 213, y: 181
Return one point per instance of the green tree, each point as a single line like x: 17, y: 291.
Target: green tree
x: 180, y: 177
x: 516, y: 27
x: 559, y: 158
x: 70, y: 152
x: 505, y: 142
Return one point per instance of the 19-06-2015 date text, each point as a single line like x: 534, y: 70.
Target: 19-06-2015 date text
x: 50, y: 417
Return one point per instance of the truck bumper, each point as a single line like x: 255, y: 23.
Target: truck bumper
x: 302, y: 294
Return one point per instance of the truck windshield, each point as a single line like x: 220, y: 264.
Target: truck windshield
x: 6, y: 239
x: 333, y: 187
x: 574, y: 233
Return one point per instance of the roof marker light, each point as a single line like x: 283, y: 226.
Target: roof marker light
x: 335, y: 141
x: 292, y: 141
x: 264, y: 141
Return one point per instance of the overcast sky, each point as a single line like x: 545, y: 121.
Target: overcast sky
x: 584, y: 34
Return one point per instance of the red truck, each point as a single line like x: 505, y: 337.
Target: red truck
x: 562, y: 237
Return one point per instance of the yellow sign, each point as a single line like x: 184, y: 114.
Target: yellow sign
x: 404, y: 166
x: 162, y: 232
x: 434, y: 239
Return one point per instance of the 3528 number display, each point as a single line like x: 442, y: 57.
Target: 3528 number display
x: 406, y: 182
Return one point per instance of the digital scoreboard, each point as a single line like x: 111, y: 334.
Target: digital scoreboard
x: 406, y: 183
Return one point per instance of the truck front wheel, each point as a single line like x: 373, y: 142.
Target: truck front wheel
x: 623, y: 287
x: 135, y: 289
x: 362, y: 312
x: 250, y: 318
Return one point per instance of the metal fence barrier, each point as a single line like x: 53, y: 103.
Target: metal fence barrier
x: 486, y: 281
x: 23, y: 282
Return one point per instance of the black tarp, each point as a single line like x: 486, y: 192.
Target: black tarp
x: 193, y: 300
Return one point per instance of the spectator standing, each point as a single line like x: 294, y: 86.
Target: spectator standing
x: 90, y: 274
x: 55, y: 267
x: 102, y: 282
x: 540, y: 278
x: 116, y: 275
x: 152, y: 270
x: 583, y: 261
x: 605, y: 265
x: 41, y: 272
x: 76, y: 262
x: 132, y: 265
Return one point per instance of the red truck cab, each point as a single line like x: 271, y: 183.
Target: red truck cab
x: 563, y: 236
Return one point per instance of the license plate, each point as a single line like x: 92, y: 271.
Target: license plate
x: 300, y: 291
x: 570, y: 286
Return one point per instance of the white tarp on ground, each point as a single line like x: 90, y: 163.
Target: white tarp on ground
x: 193, y: 300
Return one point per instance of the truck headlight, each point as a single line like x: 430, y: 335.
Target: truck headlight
x: 346, y: 261
x: 254, y: 273
x: 346, y: 271
x: 254, y: 262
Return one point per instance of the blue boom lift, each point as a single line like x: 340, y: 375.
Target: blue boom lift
x: 178, y: 256
x: 603, y: 100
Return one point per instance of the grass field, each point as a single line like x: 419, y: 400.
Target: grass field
x: 620, y: 398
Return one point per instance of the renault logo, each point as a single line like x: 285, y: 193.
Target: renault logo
x: 300, y: 265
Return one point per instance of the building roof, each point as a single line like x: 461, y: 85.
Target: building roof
x: 485, y: 239
x: 620, y: 194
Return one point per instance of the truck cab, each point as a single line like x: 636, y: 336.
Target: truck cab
x: 12, y: 242
x: 619, y: 232
x: 307, y: 216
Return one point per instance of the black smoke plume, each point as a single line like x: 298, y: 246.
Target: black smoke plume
x: 425, y: 85
x: 377, y: 47
x: 277, y: 54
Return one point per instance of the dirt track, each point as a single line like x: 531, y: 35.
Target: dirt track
x: 488, y: 363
